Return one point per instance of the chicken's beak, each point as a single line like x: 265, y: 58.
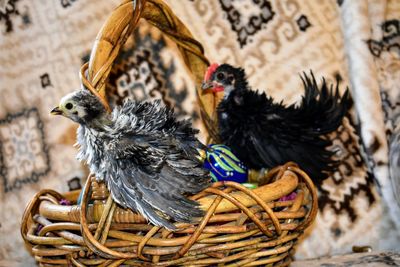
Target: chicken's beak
x: 207, y: 85
x: 56, y: 111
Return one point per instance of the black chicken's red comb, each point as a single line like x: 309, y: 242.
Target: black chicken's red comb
x: 211, y: 69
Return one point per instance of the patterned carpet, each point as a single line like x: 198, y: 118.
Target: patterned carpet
x: 43, y: 44
x: 358, y: 259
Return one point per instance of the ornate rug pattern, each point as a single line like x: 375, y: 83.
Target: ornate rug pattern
x: 43, y: 44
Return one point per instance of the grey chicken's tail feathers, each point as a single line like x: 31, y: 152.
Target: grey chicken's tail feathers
x: 323, y: 104
x: 187, y: 135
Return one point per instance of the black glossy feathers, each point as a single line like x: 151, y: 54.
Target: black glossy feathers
x: 263, y: 133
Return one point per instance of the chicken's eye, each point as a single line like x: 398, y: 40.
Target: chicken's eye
x: 69, y: 106
x: 220, y: 76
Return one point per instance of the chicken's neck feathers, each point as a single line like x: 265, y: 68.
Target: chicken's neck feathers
x: 91, y: 148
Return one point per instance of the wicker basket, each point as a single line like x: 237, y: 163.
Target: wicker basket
x: 241, y: 227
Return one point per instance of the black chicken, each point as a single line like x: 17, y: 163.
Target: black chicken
x: 264, y: 134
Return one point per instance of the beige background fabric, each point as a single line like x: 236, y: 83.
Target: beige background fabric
x: 43, y: 44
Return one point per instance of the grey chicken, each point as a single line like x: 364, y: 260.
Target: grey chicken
x: 146, y: 157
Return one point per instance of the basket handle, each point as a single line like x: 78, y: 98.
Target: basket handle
x: 120, y: 25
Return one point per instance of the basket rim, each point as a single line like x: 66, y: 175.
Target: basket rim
x: 187, y: 243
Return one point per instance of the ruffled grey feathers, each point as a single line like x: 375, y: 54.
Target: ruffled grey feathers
x: 148, y: 159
